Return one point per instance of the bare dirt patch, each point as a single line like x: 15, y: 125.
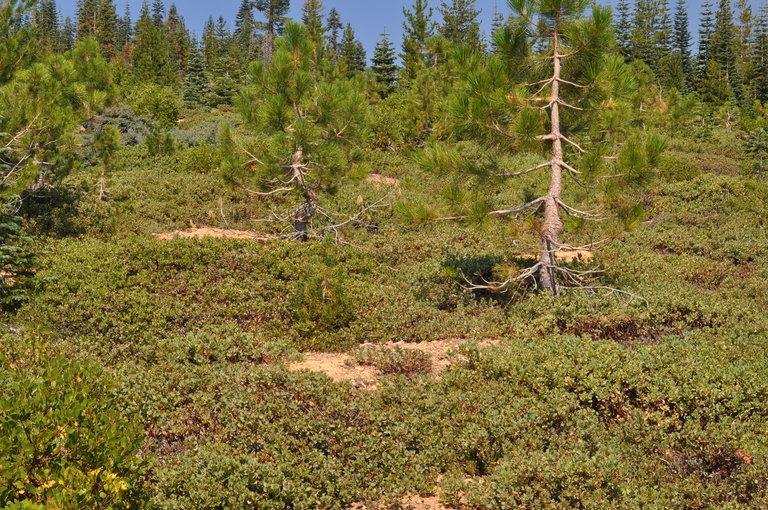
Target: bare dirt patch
x: 202, y: 232
x: 567, y: 256
x: 342, y: 367
x: 383, y: 179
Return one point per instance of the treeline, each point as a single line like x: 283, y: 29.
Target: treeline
x: 730, y: 62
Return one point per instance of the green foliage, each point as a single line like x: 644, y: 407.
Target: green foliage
x: 17, y: 263
x: 398, y: 361
x: 161, y: 104
x: 62, y: 440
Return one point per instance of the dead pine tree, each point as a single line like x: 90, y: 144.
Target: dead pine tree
x: 556, y: 41
x: 305, y: 130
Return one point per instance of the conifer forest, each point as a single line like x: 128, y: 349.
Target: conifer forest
x: 265, y: 264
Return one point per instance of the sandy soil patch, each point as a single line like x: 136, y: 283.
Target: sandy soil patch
x: 198, y: 233
x: 341, y: 366
x: 383, y: 179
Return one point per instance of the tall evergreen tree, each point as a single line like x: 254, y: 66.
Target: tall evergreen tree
x: 124, y: 28
x: 195, y: 87
x: 417, y: 29
x: 312, y: 18
x: 210, y: 43
x: 760, y: 56
x: 87, y: 11
x: 45, y: 19
x: 152, y: 60
x: 706, y: 29
x: 681, y: 42
x: 106, y: 28
x: 178, y: 37
x: 623, y: 28
x: 334, y: 33
x: 744, y: 39
x: 384, y: 66
x: 158, y: 12
x: 245, y: 32
x: 68, y: 34
x: 723, y: 46
x: 461, y: 24
x: 273, y: 11
x: 352, y: 52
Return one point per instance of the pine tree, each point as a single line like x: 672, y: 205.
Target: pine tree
x: 352, y: 52
x: 623, y: 29
x: 384, y: 65
x: 461, y: 24
x: 273, y: 11
x: 305, y: 119
x: 106, y: 28
x: 334, y: 31
x: 152, y: 60
x: 681, y: 42
x: 497, y: 23
x: 417, y: 29
x: 195, y: 81
x: 312, y: 18
x: 570, y: 63
x: 745, y: 39
x: 245, y: 32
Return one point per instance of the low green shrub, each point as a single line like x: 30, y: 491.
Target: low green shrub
x: 408, y: 362
x: 63, y: 443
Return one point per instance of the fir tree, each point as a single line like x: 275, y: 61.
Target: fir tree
x: 210, y: 43
x: 723, y: 46
x: 623, y: 28
x: 152, y: 60
x: 178, y: 37
x: 106, y: 28
x: 384, y: 66
x: 245, y: 32
x: 124, y: 28
x: 158, y: 12
x: 68, y: 34
x: 461, y: 23
x: 706, y: 29
x: 273, y: 11
x: 417, y: 29
x: 45, y: 19
x: 681, y: 42
x: 760, y: 56
x: 87, y: 11
x: 195, y: 82
x: 334, y: 32
x: 352, y: 52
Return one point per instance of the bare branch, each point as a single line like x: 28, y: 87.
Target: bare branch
x: 530, y: 170
x: 508, y: 212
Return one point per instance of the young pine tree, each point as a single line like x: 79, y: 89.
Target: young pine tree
x: 384, y: 65
x: 573, y: 52
x: 311, y: 125
x: 417, y: 29
x: 461, y: 23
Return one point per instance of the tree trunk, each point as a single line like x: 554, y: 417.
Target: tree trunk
x: 303, y: 214
x: 552, y: 227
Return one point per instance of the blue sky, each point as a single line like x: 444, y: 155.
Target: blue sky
x: 368, y: 17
